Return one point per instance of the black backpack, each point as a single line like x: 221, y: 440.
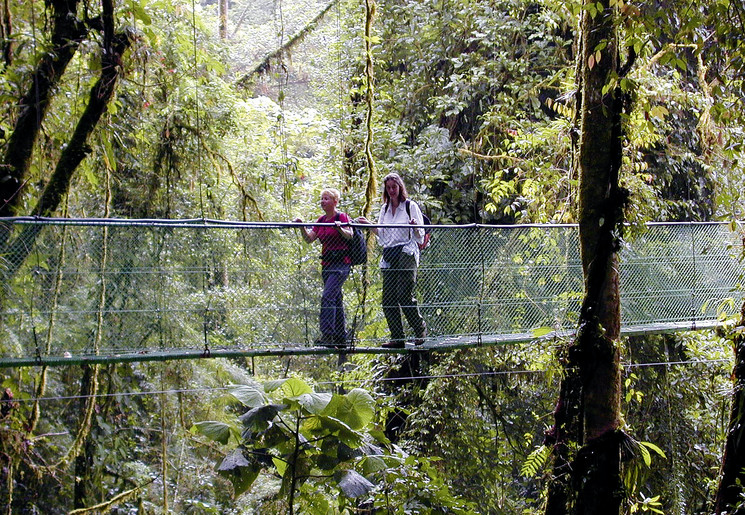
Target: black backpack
x: 357, y: 246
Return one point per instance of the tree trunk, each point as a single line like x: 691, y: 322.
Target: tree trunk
x: 588, y: 411
x: 601, y: 201
x: 84, y: 459
x: 402, y: 382
x: 6, y: 29
x: 563, y: 436
x: 295, y: 40
x: 223, y: 8
x: 729, y: 494
x: 566, y: 433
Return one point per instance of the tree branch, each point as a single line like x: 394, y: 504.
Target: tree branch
x: 295, y: 40
x: 484, y: 157
x: 104, y: 506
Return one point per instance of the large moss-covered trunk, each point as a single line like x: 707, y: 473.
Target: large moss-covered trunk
x: 600, y: 218
x: 20, y: 146
x: 588, y: 412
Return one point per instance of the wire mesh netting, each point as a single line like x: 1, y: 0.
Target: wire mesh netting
x: 75, y: 288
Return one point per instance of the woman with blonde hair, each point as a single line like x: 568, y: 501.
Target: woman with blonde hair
x: 400, y: 260
x: 335, y: 266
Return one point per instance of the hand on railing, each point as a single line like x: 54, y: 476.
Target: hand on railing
x: 363, y: 220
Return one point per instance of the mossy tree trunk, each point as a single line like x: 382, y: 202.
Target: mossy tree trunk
x: 564, y: 436
x: 114, y: 47
x: 588, y: 412
x: 601, y: 201
x: 223, y: 9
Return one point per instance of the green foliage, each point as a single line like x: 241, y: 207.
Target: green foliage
x: 481, y: 420
x: 634, y: 476
x: 536, y: 461
x: 475, y: 107
x: 319, y: 444
x: 464, y: 97
x: 676, y: 400
x: 412, y: 484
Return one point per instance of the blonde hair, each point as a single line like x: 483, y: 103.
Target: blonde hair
x: 402, y: 195
x: 331, y: 192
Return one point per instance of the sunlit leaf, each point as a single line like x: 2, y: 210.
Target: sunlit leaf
x: 251, y: 395
x: 353, y: 485
x: 216, y: 431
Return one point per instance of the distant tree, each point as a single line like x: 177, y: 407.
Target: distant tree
x: 67, y: 31
x: 223, y: 15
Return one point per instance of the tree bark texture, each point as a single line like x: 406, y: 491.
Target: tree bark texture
x: 729, y: 493
x: 601, y: 200
x: 588, y: 411
x: 565, y: 436
x: 566, y: 433
x: 6, y: 29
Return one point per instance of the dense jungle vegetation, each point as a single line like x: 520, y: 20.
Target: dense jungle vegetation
x: 240, y: 110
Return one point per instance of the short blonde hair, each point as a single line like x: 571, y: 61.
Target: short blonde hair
x: 331, y: 192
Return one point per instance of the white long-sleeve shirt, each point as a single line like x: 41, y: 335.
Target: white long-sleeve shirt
x: 408, y: 236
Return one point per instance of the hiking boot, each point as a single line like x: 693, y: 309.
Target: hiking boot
x: 394, y: 344
x: 340, y: 341
x: 421, y: 339
x: 325, y: 341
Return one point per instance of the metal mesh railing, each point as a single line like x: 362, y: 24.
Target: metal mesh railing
x: 76, y: 288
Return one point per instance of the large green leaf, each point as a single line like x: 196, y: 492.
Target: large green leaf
x: 379, y: 436
x: 372, y: 464
x: 239, y: 471
x: 352, y: 484
x: 356, y: 409
x: 258, y: 419
x: 233, y: 460
x: 326, y: 461
x: 270, y: 386
x: 336, y: 404
x: 362, y: 409
x: 346, y: 453
x: 345, y: 433
x: 315, y: 403
x: 294, y: 387
x: 280, y: 465
x: 251, y: 395
x: 372, y: 460
x: 216, y: 431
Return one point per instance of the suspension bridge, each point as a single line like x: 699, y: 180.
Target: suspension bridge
x: 111, y: 290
